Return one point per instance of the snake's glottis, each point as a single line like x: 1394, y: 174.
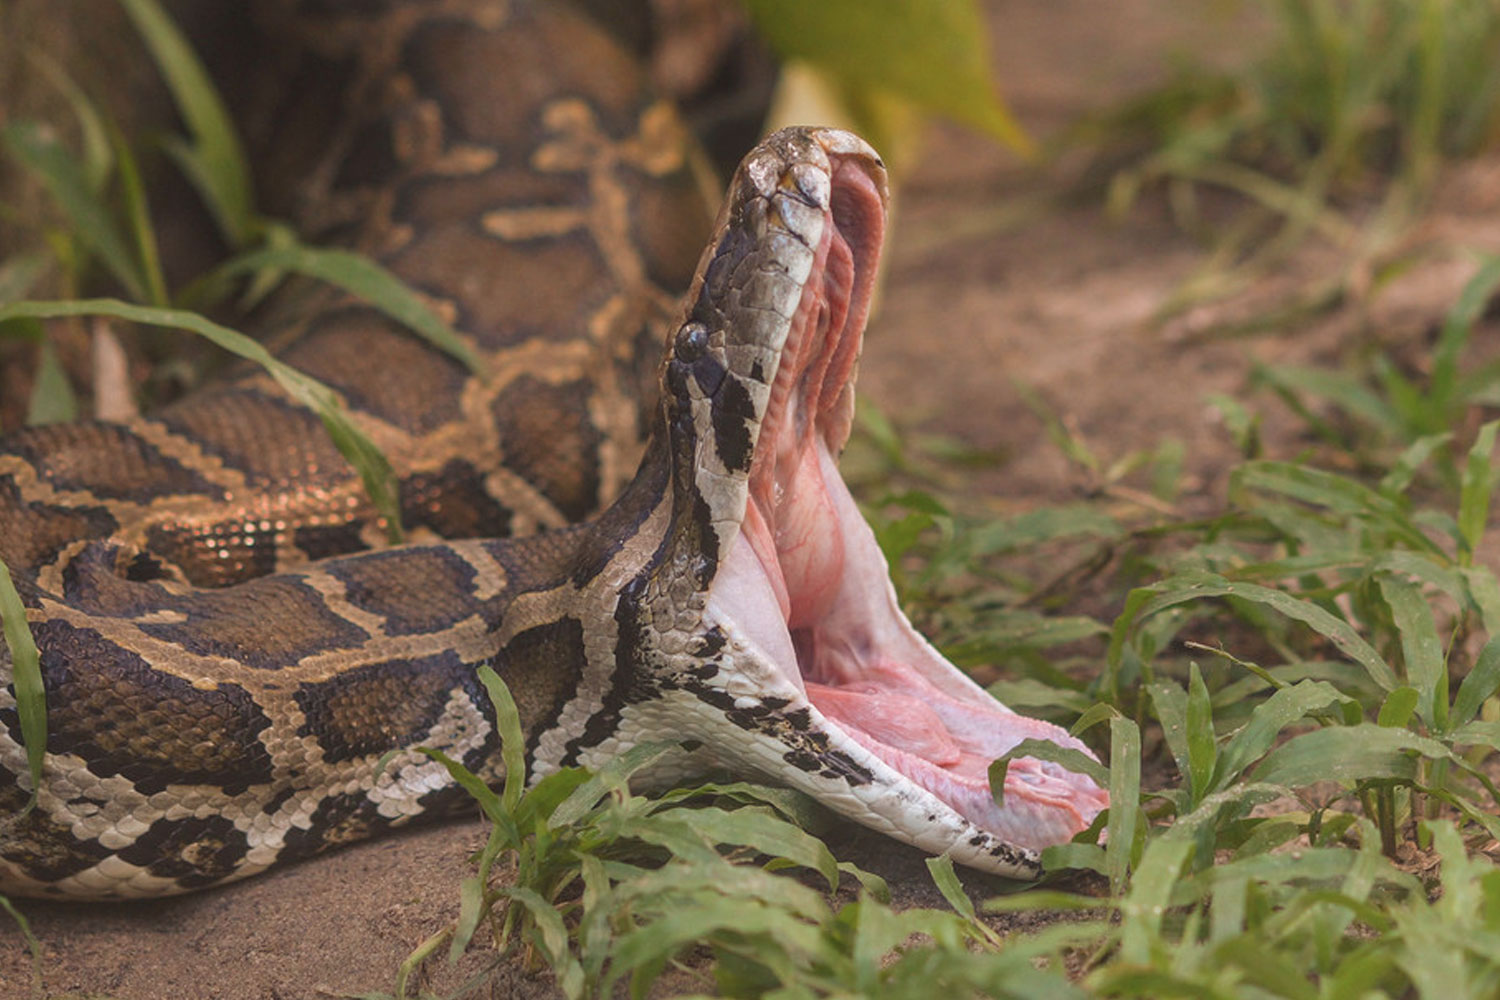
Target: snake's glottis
x: 225, y: 666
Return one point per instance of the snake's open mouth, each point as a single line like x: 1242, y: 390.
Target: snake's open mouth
x: 805, y: 586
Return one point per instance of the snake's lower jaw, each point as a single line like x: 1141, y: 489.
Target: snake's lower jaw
x: 919, y: 734
x: 804, y: 597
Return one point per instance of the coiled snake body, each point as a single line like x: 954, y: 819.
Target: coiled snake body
x: 224, y: 667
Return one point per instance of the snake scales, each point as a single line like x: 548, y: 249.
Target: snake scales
x: 225, y: 666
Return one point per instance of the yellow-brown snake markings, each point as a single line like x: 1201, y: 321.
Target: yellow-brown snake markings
x: 644, y: 547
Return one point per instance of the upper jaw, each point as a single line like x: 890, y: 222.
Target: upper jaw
x: 885, y: 729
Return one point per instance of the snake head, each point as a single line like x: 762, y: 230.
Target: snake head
x: 782, y: 648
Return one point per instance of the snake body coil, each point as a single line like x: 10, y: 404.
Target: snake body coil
x: 225, y: 666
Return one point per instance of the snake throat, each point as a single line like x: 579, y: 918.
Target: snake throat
x: 805, y: 588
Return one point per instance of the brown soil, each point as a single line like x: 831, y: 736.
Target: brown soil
x: 991, y: 278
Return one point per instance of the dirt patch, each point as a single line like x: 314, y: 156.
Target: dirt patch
x: 983, y: 287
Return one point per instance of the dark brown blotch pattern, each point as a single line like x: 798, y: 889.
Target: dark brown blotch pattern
x: 264, y: 624
x: 551, y: 442
x: 109, y: 706
x: 382, y: 706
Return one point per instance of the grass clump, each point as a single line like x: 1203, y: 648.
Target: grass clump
x: 1335, y: 129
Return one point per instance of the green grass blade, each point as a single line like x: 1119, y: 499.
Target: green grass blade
x: 1348, y: 753
x: 552, y: 938
x: 1201, y: 743
x: 946, y: 880
x: 1073, y: 759
x: 52, y: 397
x: 1144, y: 909
x: 1340, y: 388
x: 1286, y: 706
x: 362, y: 277
x: 1479, y: 686
x: 368, y: 461
x: 512, y: 740
x: 1412, y: 458
x: 88, y: 219
x: 1458, y: 327
x: 1170, y: 703
x: 214, y: 161
x: 1398, y: 708
x: 1421, y: 649
x: 32, y: 944
x: 138, y: 214
x: 767, y: 833
x: 1190, y: 587
x: 26, y: 680
x: 471, y: 783
x: 1476, y: 490
x: 612, y: 776
x: 98, y: 157
x: 1124, y: 798
x: 1336, y: 493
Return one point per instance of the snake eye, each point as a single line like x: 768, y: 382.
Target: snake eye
x: 692, y: 341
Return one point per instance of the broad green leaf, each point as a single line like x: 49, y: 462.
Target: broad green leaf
x: 1028, y: 692
x: 89, y: 221
x: 362, y: 277
x: 717, y: 876
x: 1479, y: 685
x: 611, y: 777
x: 933, y: 54
x: 1412, y: 458
x: 26, y: 680
x: 1397, y: 709
x: 1286, y: 706
x: 1475, y: 491
x: 1477, y: 734
x: 1191, y: 587
x: 1421, y: 648
x: 374, y: 470
x: 766, y: 833
x: 470, y: 909
x: 876, y: 931
x: 1348, y: 753
x: 213, y: 160
x: 700, y: 919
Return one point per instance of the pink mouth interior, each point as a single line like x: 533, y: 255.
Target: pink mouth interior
x: 813, y: 588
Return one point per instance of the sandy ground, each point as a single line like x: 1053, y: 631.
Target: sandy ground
x: 991, y: 279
